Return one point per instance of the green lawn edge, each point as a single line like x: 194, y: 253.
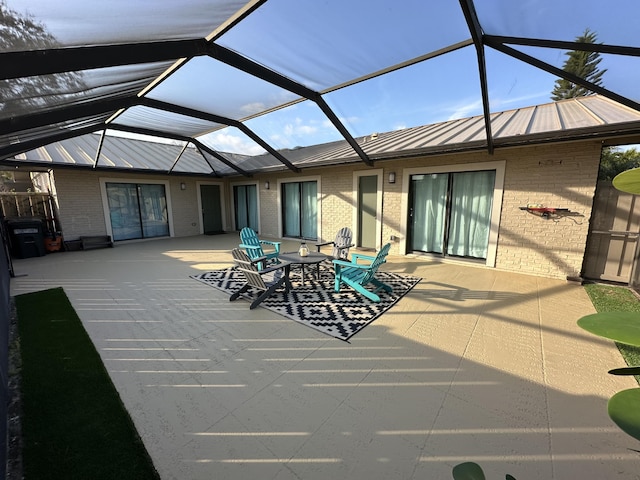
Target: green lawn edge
x: 74, y: 424
x: 611, y: 298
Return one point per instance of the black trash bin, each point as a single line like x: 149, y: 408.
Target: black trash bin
x: 26, y: 236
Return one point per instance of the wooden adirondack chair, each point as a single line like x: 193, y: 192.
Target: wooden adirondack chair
x: 253, y: 245
x: 341, y: 244
x: 267, y: 280
x: 358, y: 276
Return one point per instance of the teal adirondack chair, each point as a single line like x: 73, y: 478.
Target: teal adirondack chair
x: 253, y: 245
x: 359, y: 275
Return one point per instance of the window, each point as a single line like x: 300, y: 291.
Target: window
x: 137, y: 210
x: 300, y: 210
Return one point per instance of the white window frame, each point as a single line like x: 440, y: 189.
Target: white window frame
x: 232, y: 202
x: 136, y: 180
x: 496, y: 209
x: 316, y: 178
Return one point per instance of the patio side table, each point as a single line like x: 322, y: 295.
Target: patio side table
x: 314, y: 258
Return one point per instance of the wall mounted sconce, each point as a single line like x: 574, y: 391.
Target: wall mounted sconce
x: 392, y: 177
x: 266, y: 185
x: 183, y: 186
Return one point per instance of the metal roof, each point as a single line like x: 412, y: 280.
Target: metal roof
x: 244, y: 83
x: 584, y: 117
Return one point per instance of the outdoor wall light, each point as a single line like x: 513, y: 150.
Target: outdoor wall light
x: 266, y: 185
x: 183, y: 186
x: 392, y: 177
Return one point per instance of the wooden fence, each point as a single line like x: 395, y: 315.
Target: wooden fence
x: 40, y: 205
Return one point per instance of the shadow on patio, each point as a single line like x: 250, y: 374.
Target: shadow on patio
x: 473, y: 364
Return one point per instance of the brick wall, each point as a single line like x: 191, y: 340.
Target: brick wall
x: 81, y: 209
x: 556, y: 175
x: 562, y: 175
x: 79, y: 203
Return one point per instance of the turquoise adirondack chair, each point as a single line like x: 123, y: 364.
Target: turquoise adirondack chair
x: 253, y: 245
x: 359, y: 275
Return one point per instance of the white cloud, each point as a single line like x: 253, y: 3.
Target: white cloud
x: 230, y: 143
x: 534, y: 98
x: 465, y: 110
x: 251, y: 108
x: 298, y: 128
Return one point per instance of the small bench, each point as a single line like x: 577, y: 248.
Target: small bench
x: 96, y: 241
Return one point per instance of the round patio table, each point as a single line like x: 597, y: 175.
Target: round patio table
x: 314, y: 258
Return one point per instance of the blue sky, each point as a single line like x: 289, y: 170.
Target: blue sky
x: 325, y: 43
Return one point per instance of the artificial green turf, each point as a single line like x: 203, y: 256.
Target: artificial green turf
x: 608, y: 298
x: 74, y: 425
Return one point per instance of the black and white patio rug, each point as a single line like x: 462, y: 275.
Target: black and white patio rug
x: 316, y: 304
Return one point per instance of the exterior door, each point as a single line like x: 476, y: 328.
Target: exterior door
x: 613, y: 235
x: 245, y: 199
x: 367, y: 211
x: 450, y: 213
x: 137, y: 210
x: 211, y: 209
x: 300, y: 209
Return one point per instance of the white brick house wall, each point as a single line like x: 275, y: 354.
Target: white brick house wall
x: 556, y: 175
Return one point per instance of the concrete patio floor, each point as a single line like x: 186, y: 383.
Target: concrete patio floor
x: 473, y: 364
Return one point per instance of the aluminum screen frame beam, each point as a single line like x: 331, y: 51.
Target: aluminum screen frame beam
x: 169, y: 107
x: 564, y: 74
x: 236, y: 60
x: 473, y: 23
x: 73, y: 59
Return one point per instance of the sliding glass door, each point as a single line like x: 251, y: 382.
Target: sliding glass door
x: 300, y: 210
x: 137, y: 210
x: 245, y: 198
x: 450, y: 213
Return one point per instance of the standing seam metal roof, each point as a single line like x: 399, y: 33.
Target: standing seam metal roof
x: 588, y: 116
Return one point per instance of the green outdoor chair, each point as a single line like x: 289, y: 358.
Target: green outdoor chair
x: 359, y: 275
x: 253, y: 245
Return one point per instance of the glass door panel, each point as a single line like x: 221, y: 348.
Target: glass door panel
x: 309, y: 219
x: 124, y: 211
x: 153, y: 211
x: 300, y: 209
x: 428, y: 212
x: 471, y: 202
x: 246, y: 202
x: 137, y: 210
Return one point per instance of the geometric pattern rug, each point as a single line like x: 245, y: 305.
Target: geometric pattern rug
x: 316, y: 304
